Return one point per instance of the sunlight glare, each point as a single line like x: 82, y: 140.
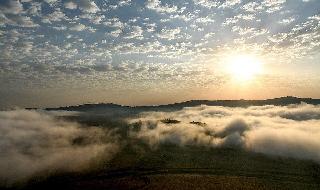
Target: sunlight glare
x: 244, y: 67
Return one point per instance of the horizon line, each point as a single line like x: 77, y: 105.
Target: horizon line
x: 154, y: 105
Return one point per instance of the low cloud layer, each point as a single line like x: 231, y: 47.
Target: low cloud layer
x: 36, y: 144
x: 289, y: 131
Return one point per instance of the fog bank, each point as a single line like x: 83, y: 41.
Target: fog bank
x: 37, y: 144
x: 289, y: 131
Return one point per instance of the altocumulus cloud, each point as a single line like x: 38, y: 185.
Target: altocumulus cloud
x: 289, y: 131
x: 34, y: 144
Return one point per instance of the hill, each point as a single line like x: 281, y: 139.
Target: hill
x: 105, y: 107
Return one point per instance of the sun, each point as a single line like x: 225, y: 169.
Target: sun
x: 244, y: 67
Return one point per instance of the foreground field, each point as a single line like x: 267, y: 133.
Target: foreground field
x: 182, y: 181
x: 172, y: 167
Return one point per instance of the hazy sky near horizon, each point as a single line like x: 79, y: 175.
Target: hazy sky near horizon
x: 139, y: 52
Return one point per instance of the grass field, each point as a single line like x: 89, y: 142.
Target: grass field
x: 173, y: 167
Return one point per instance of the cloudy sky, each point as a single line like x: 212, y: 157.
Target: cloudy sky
x: 140, y: 52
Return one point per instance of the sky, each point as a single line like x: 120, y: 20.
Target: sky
x: 147, y: 52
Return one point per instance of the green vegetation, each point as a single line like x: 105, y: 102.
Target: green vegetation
x: 198, y: 123
x: 169, y: 121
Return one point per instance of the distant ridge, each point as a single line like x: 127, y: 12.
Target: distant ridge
x: 282, y: 101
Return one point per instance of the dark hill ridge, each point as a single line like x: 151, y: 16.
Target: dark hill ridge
x: 282, y: 101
